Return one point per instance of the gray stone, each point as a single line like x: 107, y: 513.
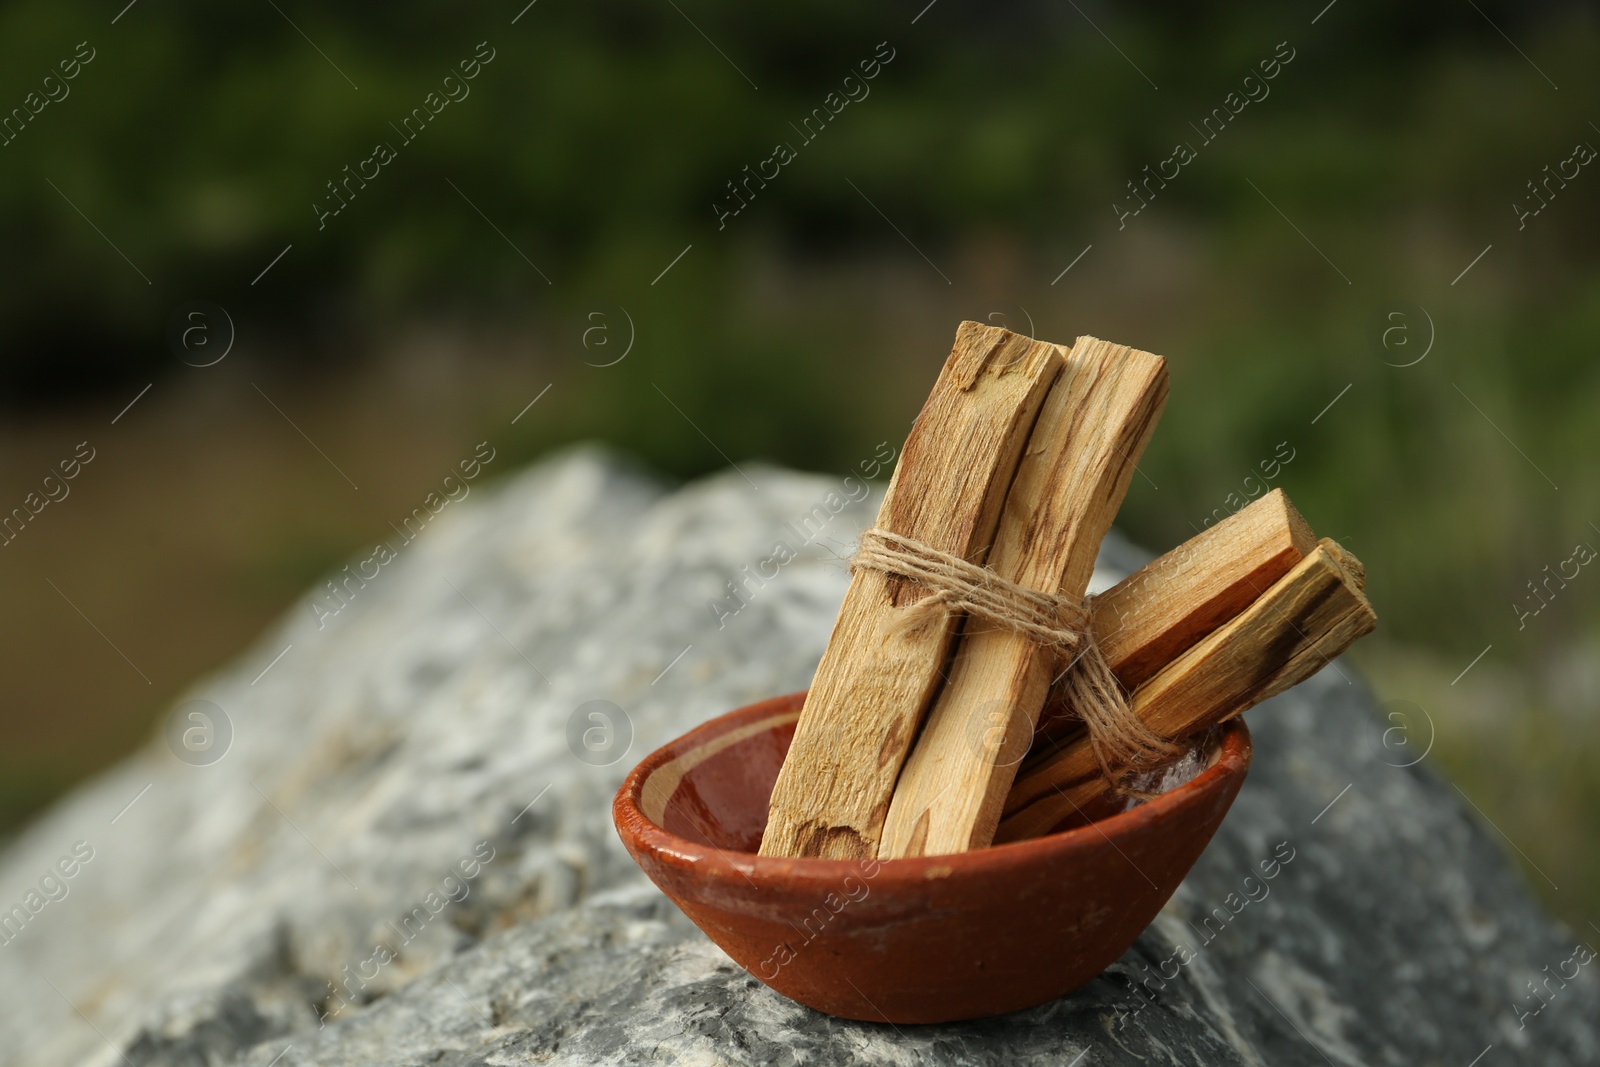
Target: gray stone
x: 422, y: 741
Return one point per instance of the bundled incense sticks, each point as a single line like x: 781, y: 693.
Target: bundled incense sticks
x: 966, y: 637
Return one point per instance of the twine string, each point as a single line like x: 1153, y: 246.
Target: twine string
x: 1121, y: 741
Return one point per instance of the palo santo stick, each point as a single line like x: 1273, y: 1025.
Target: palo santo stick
x: 1072, y: 479
x: 1298, y: 626
x: 877, y: 676
x: 1159, y: 611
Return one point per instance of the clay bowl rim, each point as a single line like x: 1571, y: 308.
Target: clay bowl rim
x: 784, y: 875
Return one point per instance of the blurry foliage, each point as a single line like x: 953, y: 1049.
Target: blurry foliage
x: 601, y: 134
x: 598, y: 138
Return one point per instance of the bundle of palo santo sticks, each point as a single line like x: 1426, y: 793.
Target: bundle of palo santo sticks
x: 971, y: 693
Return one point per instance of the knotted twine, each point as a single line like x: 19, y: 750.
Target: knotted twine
x: 1121, y: 741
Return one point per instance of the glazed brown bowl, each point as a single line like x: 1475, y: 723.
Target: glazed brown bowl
x: 922, y: 940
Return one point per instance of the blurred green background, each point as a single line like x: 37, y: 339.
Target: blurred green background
x: 531, y: 229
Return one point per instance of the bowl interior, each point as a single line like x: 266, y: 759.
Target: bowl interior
x: 715, y: 789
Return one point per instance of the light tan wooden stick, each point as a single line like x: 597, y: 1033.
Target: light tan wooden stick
x: 1156, y: 613
x: 1307, y: 618
x: 1068, y: 488
x: 877, y: 675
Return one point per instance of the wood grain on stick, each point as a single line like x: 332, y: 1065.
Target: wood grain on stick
x: 1297, y: 627
x: 1069, y: 485
x: 877, y: 676
x: 1160, y: 610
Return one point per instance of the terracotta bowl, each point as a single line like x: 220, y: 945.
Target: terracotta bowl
x: 921, y: 940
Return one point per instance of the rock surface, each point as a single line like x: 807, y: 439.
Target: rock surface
x: 404, y: 855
